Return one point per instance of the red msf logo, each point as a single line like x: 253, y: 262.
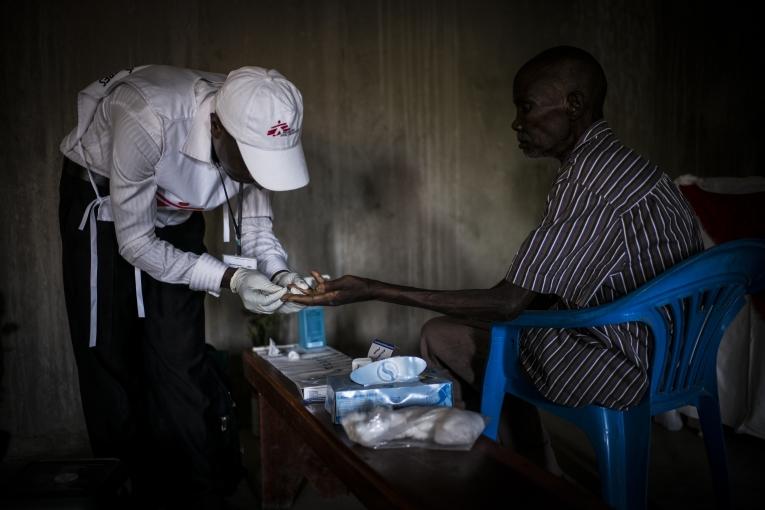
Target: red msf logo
x: 280, y: 129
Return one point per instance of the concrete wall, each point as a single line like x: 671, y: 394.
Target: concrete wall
x: 416, y: 177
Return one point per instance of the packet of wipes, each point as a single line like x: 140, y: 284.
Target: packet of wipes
x: 438, y: 428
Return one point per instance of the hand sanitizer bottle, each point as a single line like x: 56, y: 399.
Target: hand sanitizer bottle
x: 311, y: 327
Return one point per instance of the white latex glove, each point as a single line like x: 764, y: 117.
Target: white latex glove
x: 286, y: 278
x: 258, y: 294
x: 289, y: 278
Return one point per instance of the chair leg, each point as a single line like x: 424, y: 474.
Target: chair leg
x: 711, y: 427
x: 495, y: 380
x: 621, y: 441
x: 491, y: 405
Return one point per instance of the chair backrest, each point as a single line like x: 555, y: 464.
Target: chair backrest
x: 688, y: 309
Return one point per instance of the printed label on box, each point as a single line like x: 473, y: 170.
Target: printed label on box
x: 380, y: 350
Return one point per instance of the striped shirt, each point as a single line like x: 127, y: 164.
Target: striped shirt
x: 612, y: 221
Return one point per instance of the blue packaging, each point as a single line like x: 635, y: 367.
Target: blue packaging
x: 311, y: 327
x: 345, y: 396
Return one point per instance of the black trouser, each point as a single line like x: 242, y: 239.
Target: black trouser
x: 145, y: 385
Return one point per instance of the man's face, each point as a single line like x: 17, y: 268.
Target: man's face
x: 541, y: 121
x: 227, y: 152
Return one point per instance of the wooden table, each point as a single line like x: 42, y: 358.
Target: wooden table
x: 299, y: 440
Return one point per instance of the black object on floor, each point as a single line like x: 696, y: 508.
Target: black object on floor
x: 68, y: 484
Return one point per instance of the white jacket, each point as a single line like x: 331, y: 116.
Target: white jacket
x: 148, y: 130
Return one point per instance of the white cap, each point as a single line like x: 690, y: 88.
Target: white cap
x: 263, y: 111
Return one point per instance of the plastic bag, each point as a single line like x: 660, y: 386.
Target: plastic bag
x: 438, y: 428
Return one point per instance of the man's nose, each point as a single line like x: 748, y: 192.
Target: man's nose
x: 516, y: 125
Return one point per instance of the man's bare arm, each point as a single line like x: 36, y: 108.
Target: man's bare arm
x: 501, y: 302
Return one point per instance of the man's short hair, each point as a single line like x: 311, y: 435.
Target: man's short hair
x: 574, y: 66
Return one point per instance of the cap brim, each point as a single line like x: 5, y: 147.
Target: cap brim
x: 276, y: 170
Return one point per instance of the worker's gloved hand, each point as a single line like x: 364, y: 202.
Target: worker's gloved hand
x: 286, y: 278
x: 258, y: 294
x: 295, y: 284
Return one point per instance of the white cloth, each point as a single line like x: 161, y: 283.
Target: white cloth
x: 160, y: 170
x: 726, y: 185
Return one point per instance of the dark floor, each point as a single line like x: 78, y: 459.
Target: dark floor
x: 679, y: 476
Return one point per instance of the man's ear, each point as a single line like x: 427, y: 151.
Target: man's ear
x: 575, y: 105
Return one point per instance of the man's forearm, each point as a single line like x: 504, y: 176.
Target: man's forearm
x: 503, y: 302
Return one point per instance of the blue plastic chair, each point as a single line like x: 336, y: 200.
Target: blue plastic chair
x: 703, y: 294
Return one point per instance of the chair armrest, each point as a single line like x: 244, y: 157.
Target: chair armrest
x: 616, y: 312
x: 610, y: 313
x: 505, y: 336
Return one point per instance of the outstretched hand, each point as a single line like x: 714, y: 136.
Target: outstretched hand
x: 346, y: 289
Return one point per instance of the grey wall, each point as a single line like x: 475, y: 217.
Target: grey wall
x: 416, y: 177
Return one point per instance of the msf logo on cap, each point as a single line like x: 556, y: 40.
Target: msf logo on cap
x: 280, y: 129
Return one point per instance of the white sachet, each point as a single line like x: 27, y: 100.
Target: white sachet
x: 273, y: 350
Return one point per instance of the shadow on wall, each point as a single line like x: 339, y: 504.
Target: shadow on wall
x: 6, y: 329
x: 382, y: 215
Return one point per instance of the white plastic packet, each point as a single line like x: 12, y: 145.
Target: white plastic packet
x: 439, y: 428
x: 273, y: 350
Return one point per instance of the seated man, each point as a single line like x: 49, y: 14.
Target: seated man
x: 612, y: 222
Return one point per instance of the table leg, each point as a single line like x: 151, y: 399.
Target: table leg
x: 280, y: 459
x: 286, y: 459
